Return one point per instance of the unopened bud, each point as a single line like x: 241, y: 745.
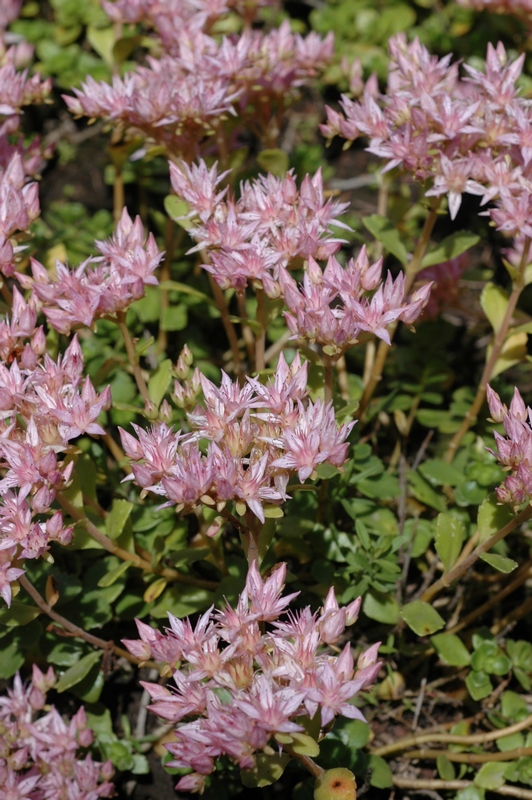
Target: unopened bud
x: 181, y: 368
x: 165, y: 412
x: 150, y: 410
x: 178, y: 395
x: 187, y: 356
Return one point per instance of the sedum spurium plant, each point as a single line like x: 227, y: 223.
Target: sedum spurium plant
x: 177, y: 427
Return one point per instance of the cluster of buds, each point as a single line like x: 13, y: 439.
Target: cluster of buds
x: 99, y: 287
x: 335, y: 305
x: 257, y: 436
x: 187, y: 387
x: 514, y: 451
x: 271, y: 225
x: 168, y: 17
x: 186, y: 94
x: 44, y: 405
x: 250, y: 679
x: 40, y: 754
x: 470, y: 134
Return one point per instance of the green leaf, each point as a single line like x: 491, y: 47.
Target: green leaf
x: 62, y: 654
x: 511, y: 742
x: 117, y: 518
x: 12, y: 659
x: 177, y: 209
x: 491, y: 775
x: 451, y: 247
x: 381, y: 607
x: 274, y: 160
x: 450, y: 534
x: 513, y: 706
x: 494, y: 302
x: 186, y: 289
x: 142, y: 346
x: 380, y: 773
x: 469, y: 494
x: 439, y: 473
x: 500, y: 563
x: 160, y: 381
x: 255, y: 326
x: 268, y: 770
x: 326, y: 471
x: 470, y: 793
x: 305, y: 745
x: 18, y: 614
x: 79, y: 671
x: 353, y: 732
x: 174, y: 318
x: 423, y: 491
x: 114, y: 574
x: 445, y: 768
x: 451, y: 649
x: 123, y: 48
x: 74, y: 492
x: 478, y: 684
x: 422, y: 618
x: 182, y: 601
x: 513, y: 352
x: 491, y: 517
x: 102, y: 40
x: 387, y: 234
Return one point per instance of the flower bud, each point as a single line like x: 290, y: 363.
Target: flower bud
x: 165, y: 412
x: 150, y: 410
x: 181, y: 368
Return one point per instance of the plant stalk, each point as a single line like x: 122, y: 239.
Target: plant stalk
x: 498, y: 344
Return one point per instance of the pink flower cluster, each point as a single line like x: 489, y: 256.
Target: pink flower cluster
x: 514, y: 451
x: 40, y: 756
x: 99, y: 287
x: 247, y: 686
x: 335, y: 305
x: 270, y: 225
x: 470, y: 134
x: 186, y: 94
x: 44, y: 404
x: 9, y: 10
x: 257, y: 436
x: 168, y: 16
x: 19, y: 206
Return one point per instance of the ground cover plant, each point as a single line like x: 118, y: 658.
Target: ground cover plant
x: 265, y: 448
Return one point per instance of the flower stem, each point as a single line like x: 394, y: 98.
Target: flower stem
x: 450, y: 738
x: 171, y: 243
x: 229, y: 328
x: 328, y: 378
x: 306, y: 761
x: 260, y: 339
x: 75, y: 630
x: 498, y: 344
x: 522, y: 575
x: 111, y: 547
x: 421, y: 784
x: 411, y: 270
x: 464, y: 564
x: 247, y: 333
x: 132, y: 357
